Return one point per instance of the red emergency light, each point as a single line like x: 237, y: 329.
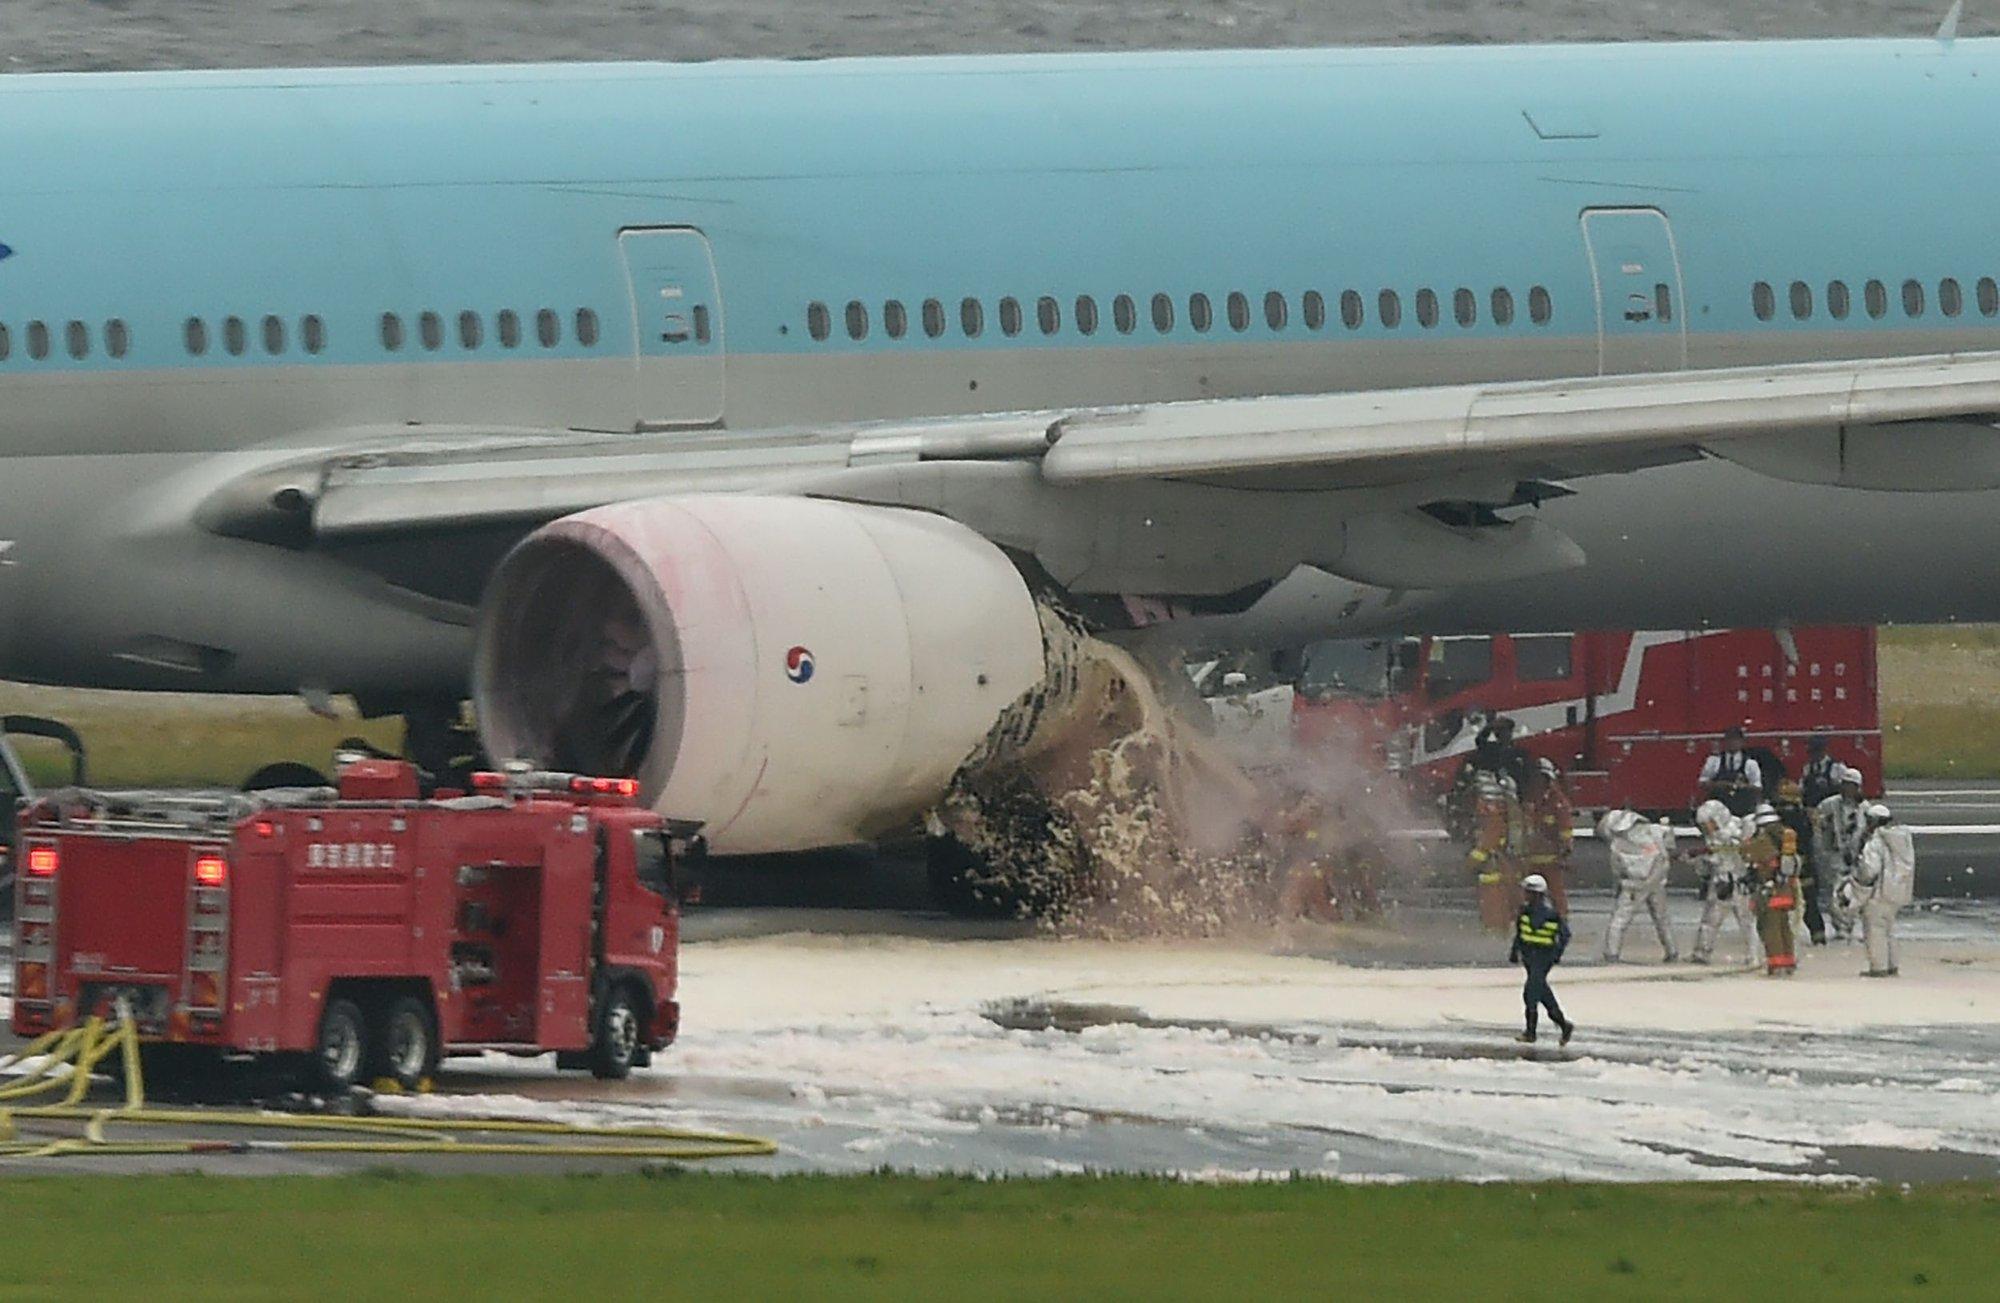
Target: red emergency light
x: 485, y: 781
x: 211, y: 871
x: 625, y: 787
x: 43, y: 861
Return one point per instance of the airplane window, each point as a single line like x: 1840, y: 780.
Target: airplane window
x: 1312, y: 306
x: 548, y: 326
x: 1540, y: 307
x: 1124, y: 314
x: 1913, y: 298
x: 1048, y: 315
x: 895, y: 321
x: 430, y: 329
x: 1503, y: 307
x: 1010, y: 317
x: 38, y: 340
x: 971, y: 317
x: 933, y: 318
x: 116, y: 338
x: 819, y: 324
x: 1951, y: 299
x: 509, y: 322
x: 274, y: 335
x: 1163, y: 313
x: 194, y: 334
x: 313, y: 331
x: 1427, y: 308
x: 1763, y: 301
x: 1237, y: 305
x: 1876, y: 296
x: 77, y: 336
x: 1390, y: 309
x: 701, y: 328
x: 1663, y: 302
x: 857, y: 319
x: 1838, y: 304
x: 1350, y: 309
x: 6, y: 343
x: 1801, y: 300
x: 1989, y: 297
x: 235, y: 336
x: 1201, y: 315
x: 392, y: 332
x: 470, y: 332
x: 1086, y: 314
x: 1276, y: 311
x: 1465, y: 307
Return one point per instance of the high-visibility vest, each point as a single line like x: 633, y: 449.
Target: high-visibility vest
x: 1544, y: 935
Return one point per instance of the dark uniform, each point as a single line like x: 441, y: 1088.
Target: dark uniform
x: 1818, y: 780
x: 1540, y: 937
x: 1799, y: 819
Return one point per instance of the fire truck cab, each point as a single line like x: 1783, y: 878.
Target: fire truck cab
x: 364, y: 932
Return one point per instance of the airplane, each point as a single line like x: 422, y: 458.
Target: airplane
x: 771, y: 431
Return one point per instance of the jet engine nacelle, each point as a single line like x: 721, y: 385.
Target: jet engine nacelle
x: 793, y: 672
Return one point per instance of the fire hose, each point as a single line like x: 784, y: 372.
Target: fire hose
x: 82, y: 1048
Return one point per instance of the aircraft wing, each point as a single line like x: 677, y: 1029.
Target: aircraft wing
x: 1462, y: 426
x: 1398, y: 488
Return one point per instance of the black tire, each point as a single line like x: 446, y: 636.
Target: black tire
x: 341, y: 1051
x: 618, y: 1035
x: 406, y: 1047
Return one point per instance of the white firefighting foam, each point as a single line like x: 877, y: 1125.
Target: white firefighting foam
x: 1039, y: 1055
x: 1130, y: 819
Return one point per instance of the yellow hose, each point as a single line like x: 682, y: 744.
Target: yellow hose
x: 82, y: 1048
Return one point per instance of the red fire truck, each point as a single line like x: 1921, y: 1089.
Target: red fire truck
x: 1629, y: 716
x: 363, y: 932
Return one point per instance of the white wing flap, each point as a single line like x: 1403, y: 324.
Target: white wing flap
x: 1461, y: 422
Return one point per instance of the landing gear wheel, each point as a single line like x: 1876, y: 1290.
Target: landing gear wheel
x: 341, y: 1050
x: 620, y: 1027
x: 406, y: 1052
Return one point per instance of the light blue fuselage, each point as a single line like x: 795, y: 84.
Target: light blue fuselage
x: 155, y: 200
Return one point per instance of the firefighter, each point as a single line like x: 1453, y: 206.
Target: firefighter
x: 1541, y: 934
x: 1821, y: 776
x: 1840, y: 825
x: 1496, y: 838
x: 1797, y: 818
x: 1772, y: 857
x: 1731, y: 775
x: 1723, y: 893
x: 1550, y: 820
x: 1641, y: 853
x: 1885, y: 878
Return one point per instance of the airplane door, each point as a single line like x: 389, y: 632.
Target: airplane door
x: 677, y: 326
x: 1641, y: 321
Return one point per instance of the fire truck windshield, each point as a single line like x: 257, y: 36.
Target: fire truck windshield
x: 653, y: 866
x: 1347, y: 668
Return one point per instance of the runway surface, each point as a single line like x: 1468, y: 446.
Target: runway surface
x: 827, y: 1006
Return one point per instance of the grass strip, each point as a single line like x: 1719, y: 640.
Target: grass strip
x: 392, y: 1234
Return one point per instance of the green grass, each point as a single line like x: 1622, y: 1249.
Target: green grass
x: 1935, y: 741
x: 162, y: 740
x: 394, y: 1235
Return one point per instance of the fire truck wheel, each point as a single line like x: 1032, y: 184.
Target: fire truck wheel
x: 408, y: 1045
x: 620, y: 1025
x: 342, y: 1049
